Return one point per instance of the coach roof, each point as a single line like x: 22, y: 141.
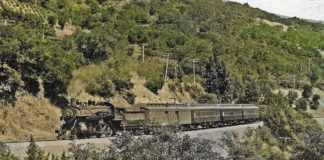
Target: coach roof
x: 166, y: 106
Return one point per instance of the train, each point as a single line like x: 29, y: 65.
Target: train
x: 88, y: 119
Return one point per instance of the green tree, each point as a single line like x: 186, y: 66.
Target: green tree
x: 5, y: 153
x: 315, y: 101
x: 304, y: 134
x: 291, y: 97
x: 302, y: 104
x: 165, y: 145
x: 154, y: 84
x: 307, y: 91
x: 34, y: 152
x: 313, y: 77
x: 216, y: 79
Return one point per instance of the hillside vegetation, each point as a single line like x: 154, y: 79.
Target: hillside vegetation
x: 212, y: 52
x: 52, y: 38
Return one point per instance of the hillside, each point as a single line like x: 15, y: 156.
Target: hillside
x: 51, y: 39
x: 197, y: 51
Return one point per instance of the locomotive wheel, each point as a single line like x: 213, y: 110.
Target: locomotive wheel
x: 80, y: 135
x: 98, y: 135
x: 109, y: 132
x: 88, y: 135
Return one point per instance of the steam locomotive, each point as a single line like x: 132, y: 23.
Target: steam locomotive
x: 87, y: 119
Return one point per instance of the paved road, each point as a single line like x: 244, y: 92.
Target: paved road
x: 57, y: 147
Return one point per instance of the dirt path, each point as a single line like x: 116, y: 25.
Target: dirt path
x: 57, y: 147
x: 320, y: 121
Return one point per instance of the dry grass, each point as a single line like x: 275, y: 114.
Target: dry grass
x: 284, y: 27
x: 29, y: 115
x: 319, y: 113
x: 68, y: 30
x: 144, y: 95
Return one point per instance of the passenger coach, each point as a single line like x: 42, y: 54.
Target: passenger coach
x: 192, y: 116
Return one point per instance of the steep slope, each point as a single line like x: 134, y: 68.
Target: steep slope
x: 29, y: 116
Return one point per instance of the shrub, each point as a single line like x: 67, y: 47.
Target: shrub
x: 307, y: 91
x: 291, y: 97
x: 101, y: 86
x: 286, y: 134
x: 34, y: 152
x: 128, y: 96
x: 5, y: 152
x: 154, y: 84
x: 208, y: 98
x: 301, y: 104
x: 165, y: 145
x: 315, y: 101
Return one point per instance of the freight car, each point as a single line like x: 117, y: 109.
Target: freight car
x: 83, y: 120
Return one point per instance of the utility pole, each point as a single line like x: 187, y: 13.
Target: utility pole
x: 194, y: 70
x: 294, y: 77
x: 175, y: 72
x: 285, y: 139
x: 309, y: 64
x: 166, y: 68
x: 143, y: 52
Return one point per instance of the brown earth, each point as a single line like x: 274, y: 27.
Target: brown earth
x: 67, y: 30
x: 284, y: 27
x: 29, y: 115
x: 165, y: 95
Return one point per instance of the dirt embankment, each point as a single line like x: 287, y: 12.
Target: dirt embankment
x: 165, y: 95
x: 29, y: 115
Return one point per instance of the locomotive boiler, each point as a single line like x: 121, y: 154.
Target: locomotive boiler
x: 84, y: 120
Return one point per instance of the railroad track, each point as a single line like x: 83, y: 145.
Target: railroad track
x: 57, y: 147
x: 57, y: 140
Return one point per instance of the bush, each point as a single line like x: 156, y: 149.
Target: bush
x: 154, y: 84
x: 307, y: 91
x: 128, y: 96
x: 5, y: 153
x: 286, y: 134
x: 166, y: 145
x: 34, y: 152
x: 301, y: 104
x: 208, y: 98
x: 291, y: 97
x: 101, y: 86
x: 315, y: 101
